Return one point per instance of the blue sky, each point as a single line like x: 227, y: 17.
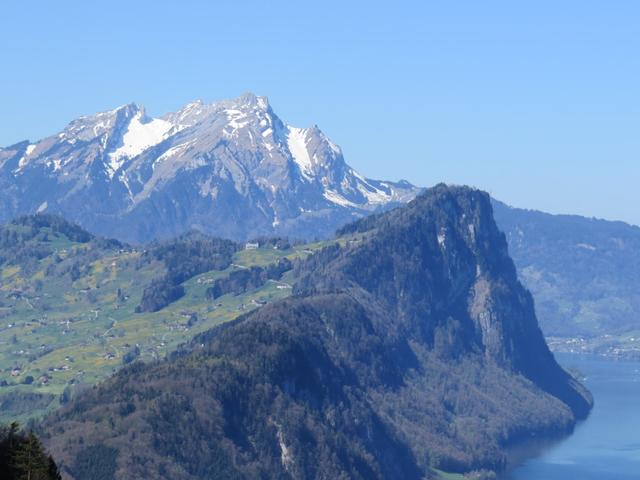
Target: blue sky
x: 537, y: 102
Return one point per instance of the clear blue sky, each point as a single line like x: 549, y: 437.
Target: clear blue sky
x: 537, y: 102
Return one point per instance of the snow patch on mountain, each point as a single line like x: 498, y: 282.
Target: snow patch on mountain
x: 141, y: 134
x: 371, y: 193
x: 171, y: 152
x: 25, y: 158
x: 335, y: 197
x: 236, y: 119
x: 374, y: 196
x: 297, y: 143
x: 56, y: 163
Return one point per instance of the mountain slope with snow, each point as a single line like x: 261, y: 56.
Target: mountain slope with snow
x: 231, y: 168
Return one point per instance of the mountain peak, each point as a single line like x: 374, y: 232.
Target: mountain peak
x: 250, y: 99
x: 90, y: 126
x: 127, y: 108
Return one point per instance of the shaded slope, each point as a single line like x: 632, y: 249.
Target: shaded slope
x: 442, y: 261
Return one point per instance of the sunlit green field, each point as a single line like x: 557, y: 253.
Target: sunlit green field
x: 62, y: 332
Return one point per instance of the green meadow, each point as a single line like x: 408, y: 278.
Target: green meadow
x: 61, y: 332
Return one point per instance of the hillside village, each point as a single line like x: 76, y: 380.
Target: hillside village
x: 63, y: 327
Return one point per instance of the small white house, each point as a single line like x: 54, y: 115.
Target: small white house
x: 251, y: 246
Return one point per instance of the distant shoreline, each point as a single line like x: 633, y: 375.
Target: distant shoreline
x: 624, y: 347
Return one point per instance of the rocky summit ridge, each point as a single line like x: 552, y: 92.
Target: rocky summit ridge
x: 231, y: 168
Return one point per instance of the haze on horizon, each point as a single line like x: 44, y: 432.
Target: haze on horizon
x: 537, y: 104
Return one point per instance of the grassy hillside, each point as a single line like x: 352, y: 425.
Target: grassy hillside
x: 68, y: 311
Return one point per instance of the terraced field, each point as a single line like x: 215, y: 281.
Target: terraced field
x: 68, y: 320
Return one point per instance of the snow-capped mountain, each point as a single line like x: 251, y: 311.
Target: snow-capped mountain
x: 230, y: 168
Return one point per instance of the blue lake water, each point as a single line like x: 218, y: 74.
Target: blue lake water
x: 606, y: 446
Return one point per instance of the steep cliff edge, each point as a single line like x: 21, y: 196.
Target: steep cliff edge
x: 443, y: 259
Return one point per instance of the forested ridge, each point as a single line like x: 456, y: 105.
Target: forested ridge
x: 247, y: 279
x: 183, y: 258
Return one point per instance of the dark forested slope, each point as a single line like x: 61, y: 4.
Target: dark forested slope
x: 410, y: 347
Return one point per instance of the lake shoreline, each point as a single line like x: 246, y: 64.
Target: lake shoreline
x: 623, y: 347
x: 604, y: 446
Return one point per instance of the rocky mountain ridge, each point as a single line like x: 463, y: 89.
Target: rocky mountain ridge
x: 231, y: 168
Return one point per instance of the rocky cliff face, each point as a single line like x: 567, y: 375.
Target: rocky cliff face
x: 443, y: 266
x: 232, y: 168
x: 410, y: 345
